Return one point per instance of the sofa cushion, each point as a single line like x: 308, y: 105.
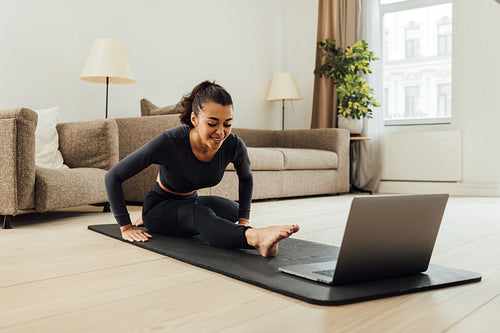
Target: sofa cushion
x: 308, y: 159
x: 149, y: 109
x: 263, y: 159
x: 101, y: 143
x: 290, y: 159
x: 47, y: 154
x: 59, y: 188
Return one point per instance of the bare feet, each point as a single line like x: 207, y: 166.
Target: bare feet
x: 138, y: 222
x: 266, y: 240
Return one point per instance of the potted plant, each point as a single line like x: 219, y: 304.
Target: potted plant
x: 343, y: 67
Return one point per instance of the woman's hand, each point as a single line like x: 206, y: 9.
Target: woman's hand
x: 131, y: 234
x: 243, y: 221
x: 138, y: 222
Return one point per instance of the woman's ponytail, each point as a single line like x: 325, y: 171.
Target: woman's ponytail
x: 204, y: 92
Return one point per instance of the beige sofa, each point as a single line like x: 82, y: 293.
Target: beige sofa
x: 284, y: 163
x: 89, y: 148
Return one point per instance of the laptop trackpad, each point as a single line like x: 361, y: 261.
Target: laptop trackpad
x: 319, y: 271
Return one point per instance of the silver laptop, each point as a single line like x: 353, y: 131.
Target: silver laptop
x: 385, y: 236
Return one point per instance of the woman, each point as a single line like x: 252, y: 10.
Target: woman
x: 192, y: 157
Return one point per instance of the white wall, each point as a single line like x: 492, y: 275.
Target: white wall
x: 171, y: 44
x: 476, y: 102
x: 174, y: 44
x: 298, y: 39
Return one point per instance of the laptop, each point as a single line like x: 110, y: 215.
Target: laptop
x: 385, y: 236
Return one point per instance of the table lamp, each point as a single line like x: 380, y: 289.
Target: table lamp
x: 107, y: 63
x: 283, y: 87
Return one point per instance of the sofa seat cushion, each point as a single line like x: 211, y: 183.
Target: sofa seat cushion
x: 264, y: 159
x: 308, y: 159
x: 275, y: 159
x: 59, y: 188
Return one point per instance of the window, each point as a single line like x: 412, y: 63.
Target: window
x: 444, y: 99
x: 417, y: 37
x: 412, y: 43
x: 444, y: 37
x: 412, y: 97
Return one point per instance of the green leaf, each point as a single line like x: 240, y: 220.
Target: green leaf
x: 342, y: 67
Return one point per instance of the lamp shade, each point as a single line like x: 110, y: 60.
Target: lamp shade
x: 282, y: 87
x: 107, y: 58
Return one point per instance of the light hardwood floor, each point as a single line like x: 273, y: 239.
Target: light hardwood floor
x: 57, y: 276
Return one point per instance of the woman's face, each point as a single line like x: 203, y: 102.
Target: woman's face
x: 213, y: 124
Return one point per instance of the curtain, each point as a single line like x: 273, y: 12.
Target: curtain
x: 338, y: 20
x: 366, y: 159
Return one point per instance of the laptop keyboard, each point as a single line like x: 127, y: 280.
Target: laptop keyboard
x: 326, y: 272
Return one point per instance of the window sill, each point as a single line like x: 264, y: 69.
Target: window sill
x: 418, y: 121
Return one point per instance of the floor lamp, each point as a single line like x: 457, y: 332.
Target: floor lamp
x: 283, y: 87
x: 107, y: 63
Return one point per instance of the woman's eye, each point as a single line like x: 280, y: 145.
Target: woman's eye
x: 228, y: 125
x: 212, y: 125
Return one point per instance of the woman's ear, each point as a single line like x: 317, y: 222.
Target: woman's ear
x: 194, y: 119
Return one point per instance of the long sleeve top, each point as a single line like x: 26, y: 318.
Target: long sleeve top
x: 180, y: 170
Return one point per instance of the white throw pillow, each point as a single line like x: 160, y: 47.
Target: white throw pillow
x: 47, y: 154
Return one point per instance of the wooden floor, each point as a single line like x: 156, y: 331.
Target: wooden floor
x: 57, y: 276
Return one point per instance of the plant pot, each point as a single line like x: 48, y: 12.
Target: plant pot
x: 355, y: 126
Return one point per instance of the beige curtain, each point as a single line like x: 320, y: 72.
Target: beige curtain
x: 337, y: 19
x: 366, y: 157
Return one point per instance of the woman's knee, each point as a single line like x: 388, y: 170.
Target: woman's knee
x: 202, y: 213
x: 222, y: 207
x: 162, y: 220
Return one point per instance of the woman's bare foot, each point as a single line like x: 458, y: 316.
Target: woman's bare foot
x: 138, y: 222
x: 266, y: 240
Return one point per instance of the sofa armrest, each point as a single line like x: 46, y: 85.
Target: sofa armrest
x: 17, y: 153
x: 89, y: 144
x: 333, y: 139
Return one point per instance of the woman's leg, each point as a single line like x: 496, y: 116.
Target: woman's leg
x: 222, y: 207
x: 215, y: 219
x: 266, y: 240
x: 160, y: 214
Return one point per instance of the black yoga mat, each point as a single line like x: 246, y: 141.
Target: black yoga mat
x: 250, y: 267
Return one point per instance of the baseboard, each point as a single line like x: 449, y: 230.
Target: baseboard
x: 453, y: 188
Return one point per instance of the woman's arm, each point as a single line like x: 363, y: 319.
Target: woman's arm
x: 245, y: 181
x: 123, y: 170
x: 244, y: 221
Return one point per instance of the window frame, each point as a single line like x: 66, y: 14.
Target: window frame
x: 402, y: 6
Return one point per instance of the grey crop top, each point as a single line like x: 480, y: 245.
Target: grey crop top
x: 180, y: 170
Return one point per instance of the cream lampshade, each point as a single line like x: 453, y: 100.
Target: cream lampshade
x: 107, y: 63
x: 283, y: 87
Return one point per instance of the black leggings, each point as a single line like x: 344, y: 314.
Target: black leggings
x: 214, y: 218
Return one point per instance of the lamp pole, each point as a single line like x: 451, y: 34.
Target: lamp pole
x: 107, y: 84
x: 283, y: 115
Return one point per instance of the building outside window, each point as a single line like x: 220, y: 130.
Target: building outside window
x: 444, y: 37
x: 412, y: 43
x: 444, y: 99
x: 412, y: 98
x: 417, y: 36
